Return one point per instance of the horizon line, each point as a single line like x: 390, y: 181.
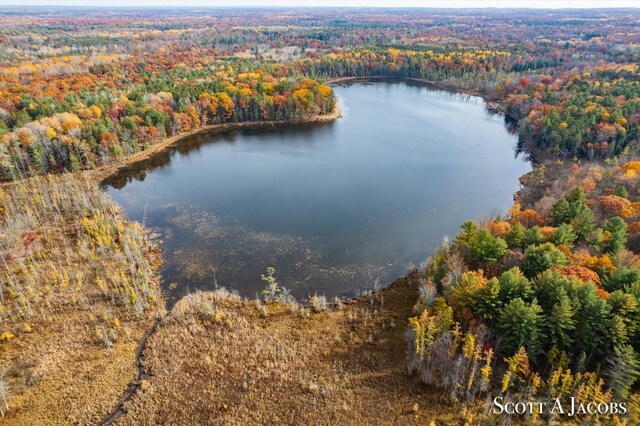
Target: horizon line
x: 118, y: 6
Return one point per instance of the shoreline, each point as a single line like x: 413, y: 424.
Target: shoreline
x: 492, y: 106
x: 435, y: 84
x: 105, y: 171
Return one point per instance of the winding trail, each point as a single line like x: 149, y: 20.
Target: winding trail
x: 140, y: 374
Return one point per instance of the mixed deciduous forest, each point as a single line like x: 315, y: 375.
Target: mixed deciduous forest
x: 540, y: 303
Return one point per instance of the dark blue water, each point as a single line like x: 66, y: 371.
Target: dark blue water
x: 334, y: 207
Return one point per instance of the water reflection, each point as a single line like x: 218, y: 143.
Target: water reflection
x: 194, y: 143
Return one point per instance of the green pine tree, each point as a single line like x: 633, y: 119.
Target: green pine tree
x: 514, y: 284
x: 584, y: 221
x: 540, y: 258
x: 487, y: 248
x: 622, y: 371
x: 515, y: 235
x: 618, y: 239
x: 532, y: 237
x: 561, y: 212
x: 488, y: 303
x: 519, y: 325
x: 561, y: 324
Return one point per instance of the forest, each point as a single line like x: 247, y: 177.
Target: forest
x: 551, y: 289
x: 540, y: 302
x: 89, y: 100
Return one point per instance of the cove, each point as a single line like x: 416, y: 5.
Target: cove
x: 334, y: 207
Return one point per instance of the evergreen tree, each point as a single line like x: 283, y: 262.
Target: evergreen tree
x: 468, y: 233
x: 621, y: 191
x: 487, y: 248
x: 593, y: 316
x: 515, y: 235
x: 514, y: 284
x: 621, y: 278
x: 618, y: 229
x: 626, y: 306
x: 561, y: 324
x: 617, y: 331
x: 532, y: 237
x: 540, y: 258
x: 595, y: 238
x: 581, y: 363
x: 4, y: 128
x: 552, y: 286
x: 577, y: 196
x: 519, y: 326
x: 21, y: 118
x: 584, y: 221
x: 564, y: 235
x: 488, y: 302
x: 466, y: 292
x: 561, y: 212
x: 622, y: 371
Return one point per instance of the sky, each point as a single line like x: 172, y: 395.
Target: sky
x: 337, y: 3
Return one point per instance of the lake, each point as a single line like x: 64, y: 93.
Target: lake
x: 335, y: 208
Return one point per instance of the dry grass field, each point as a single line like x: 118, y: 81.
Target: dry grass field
x: 222, y: 359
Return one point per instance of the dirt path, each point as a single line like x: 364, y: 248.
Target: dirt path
x: 140, y: 375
